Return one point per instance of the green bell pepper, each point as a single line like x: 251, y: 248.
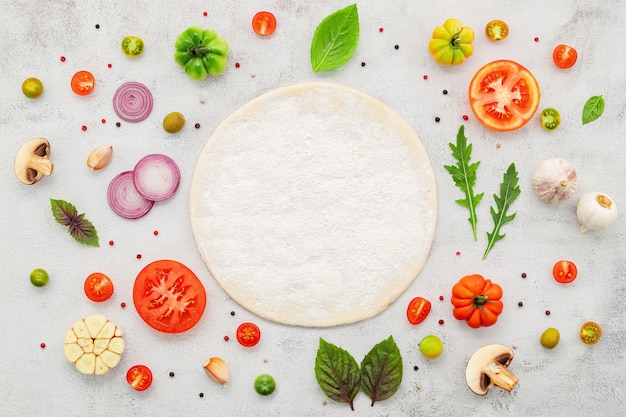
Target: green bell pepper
x: 201, y: 52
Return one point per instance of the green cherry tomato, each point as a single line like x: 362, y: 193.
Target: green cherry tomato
x: 173, y: 122
x: 32, y: 87
x: 39, y: 277
x: 550, y: 338
x: 132, y: 46
x: 200, y: 52
x: 431, y: 347
x: 550, y: 118
x: 264, y: 384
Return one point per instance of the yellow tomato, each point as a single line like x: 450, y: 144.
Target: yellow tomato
x: 451, y: 43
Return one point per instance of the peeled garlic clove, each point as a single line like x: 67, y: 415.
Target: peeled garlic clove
x: 217, y: 369
x: 595, y: 211
x: 554, y: 180
x: 100, y: 157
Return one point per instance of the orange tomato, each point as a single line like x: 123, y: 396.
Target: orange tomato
x: 476, y: 300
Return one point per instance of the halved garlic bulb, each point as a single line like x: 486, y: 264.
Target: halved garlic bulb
x: 554, y: 180
x: 595, y: 211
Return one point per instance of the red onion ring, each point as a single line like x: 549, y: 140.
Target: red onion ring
x: 156, y: 177
x: 132, y: 102
x: 124, y: 199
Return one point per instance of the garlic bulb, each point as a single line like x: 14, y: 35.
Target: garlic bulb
x: 595, y: 211
x: 555, y: 180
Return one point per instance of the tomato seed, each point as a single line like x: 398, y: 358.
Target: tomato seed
x: 437, y: 119
x: 171, y: 374
x: 523, y: 274
x: 197, y: 125
x: 415, y: 368
x: 237, y: 64
x: 547, y: 312
x: 520, y: 304
x: 62, y: 59
x: 84, y: 128
x: 43, y: 345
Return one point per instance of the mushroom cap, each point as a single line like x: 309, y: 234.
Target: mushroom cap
x: 32, y: 161
x: 476, y: 380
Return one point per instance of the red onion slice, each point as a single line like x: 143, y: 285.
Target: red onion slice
x: 132, y: 102
x: 124, y: 199
x: 156, y: 177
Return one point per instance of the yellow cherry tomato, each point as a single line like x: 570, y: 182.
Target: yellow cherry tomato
x: 451, y: 43
x: 496, y: 30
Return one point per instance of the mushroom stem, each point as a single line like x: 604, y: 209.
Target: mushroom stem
x: 500, y: 376
x: 42, y: 165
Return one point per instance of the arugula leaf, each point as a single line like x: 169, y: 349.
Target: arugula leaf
x: 335, y: 39
x: 337, y: 373
x: 509, y: 191
x: 464, y: 176
x: 594, y: 107
x: 78, y: 226
x: 381, y: 371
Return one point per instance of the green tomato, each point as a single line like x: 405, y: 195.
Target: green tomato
x: 550, y: 118
x: 32, y: 87
x: 200, y: 52
x: 39, y: 277
x: 550, y: 338
x: 264, y: 384
x: 132, y: 46
x: 431, y: 347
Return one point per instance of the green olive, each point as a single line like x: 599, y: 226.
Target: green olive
x: 173, y: 122
x: 550, y: 338
x: 431, y: 347
x: 39, y: 277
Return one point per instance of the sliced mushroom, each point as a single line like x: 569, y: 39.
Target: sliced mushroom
x: 33, y: 161
x: 488, y: 367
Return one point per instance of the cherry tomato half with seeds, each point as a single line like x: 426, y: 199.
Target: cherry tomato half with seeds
x: 98, y: 287
x: 264, y: 23
x: 418, y: 310
x: 139, y: 377
x: 564, y: 271
x: 564, y: 56
x: 550, y: 118
x: 132, y: 46
x: 83, y: 83
x: 496, y: 30
x: 590, y: 333
x: 248, y: 334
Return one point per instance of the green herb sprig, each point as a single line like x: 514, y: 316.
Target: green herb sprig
x: 340, y: 378
x: 509, y: 191
x: 78, y: 226
x: 335, y: 39
x: 464, y: 176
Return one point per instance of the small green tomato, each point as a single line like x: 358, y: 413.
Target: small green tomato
x: 431, y: 347
x: 264, y: 384
x: 39, y: 277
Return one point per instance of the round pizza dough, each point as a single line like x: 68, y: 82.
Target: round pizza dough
x: 314, y: 205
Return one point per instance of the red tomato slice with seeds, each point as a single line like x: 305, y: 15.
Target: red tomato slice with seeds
x: 168, y: 296
x: 139, y: 377
x: 418, y: 310
x: 98, y: 287
x: 504, y: 95
x: 564, y: 56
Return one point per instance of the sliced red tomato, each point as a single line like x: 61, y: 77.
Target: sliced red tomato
x: 168, y: 296
x: 504, y: 95
x: 98, y: 287
x: 139, y: 377
x: 83, y: 83
x: 564, y: 56
x: 564, y: 272
x: 248, y: 334
x: 418, y: 310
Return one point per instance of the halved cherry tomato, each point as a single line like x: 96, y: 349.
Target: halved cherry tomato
x: 264, y: 23
x: 550, y: 118
x: 132, y: 46
x: 248, y: 334
x: 564, y: 271
x: 496, y: 30
x: 504, y: 95
x: 564, y: 56
x: 590, y: 333
x: 98, y: 287
x: 168, y: 296
x: 418, y: 310
x: 83, y: 83
x: 139, y: 377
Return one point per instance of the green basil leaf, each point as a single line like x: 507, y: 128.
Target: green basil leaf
x: 335, y: 39
x: 78, y: 226
x: 381, y: 371
x: 337, y: 373
x: 593, y: 109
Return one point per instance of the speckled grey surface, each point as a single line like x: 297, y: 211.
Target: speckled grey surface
x: 571, y: 380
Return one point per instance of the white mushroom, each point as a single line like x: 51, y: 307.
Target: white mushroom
x: 488, y: 367
x: 33, y: 161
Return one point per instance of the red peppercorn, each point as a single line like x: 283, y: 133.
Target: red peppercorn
x: 465, y: 117
x: 441, y: 298
x: 104, y: 121
x: 138, y: 256
x: 156, y: 232
x: 536, y: 39
x: 226, y: 338
x: 109, y: 65
x: 62, y: 59
x: 425, y: 77
x: 205, y: 14
x: 123, y: 304
x: 84, y: 128
x: 381, y: 30
x: 43, y: 345
x: 440, y: 321
x: 237, y: 64
x: 111, y: 243
x: 458, y: 253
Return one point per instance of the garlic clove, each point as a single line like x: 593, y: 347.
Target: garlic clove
x: 554, y: 180
x: 595, y: 211
x: 100, y: 157
x: 217, y: 369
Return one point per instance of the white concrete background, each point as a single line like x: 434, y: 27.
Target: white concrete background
x: 571, y: 380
